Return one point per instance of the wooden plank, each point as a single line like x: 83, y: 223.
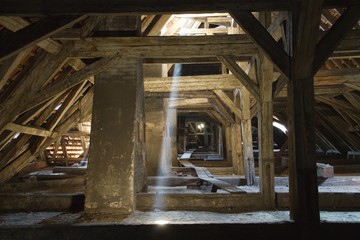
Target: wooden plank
x: 263, y: 40
x: 230, y: 64
x: 34, y: 33
x: 204, y: 174
x: 334, y: 36
x: 142, y: 7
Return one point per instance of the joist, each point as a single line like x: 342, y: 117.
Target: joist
x: 204, y: 174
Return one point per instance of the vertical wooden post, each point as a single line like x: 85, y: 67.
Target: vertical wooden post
x: 228, y: 145
x: 236, y: 139
x: 265, y: 128
x: 304, y: 199
x: 248, y: 151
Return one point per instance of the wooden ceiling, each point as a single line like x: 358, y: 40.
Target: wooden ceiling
x: 50, y: 53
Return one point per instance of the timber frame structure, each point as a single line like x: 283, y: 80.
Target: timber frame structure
x: 296, y: 60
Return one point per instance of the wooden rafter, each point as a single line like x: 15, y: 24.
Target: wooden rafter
x: 16, y: 23
x: 44, y: 68
x: 263, y: 39
x: 333, y: 37
x: 34, y: 33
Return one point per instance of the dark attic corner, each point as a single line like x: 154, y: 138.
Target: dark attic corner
x: 196, y: 119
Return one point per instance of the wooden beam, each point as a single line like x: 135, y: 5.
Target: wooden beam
x: 74, y: 79
x: 142, y: 7
x: 333, y: 37
x: 155, y: 29
x: 167, y: 46
x: 31, y: 130
x: 8, y: 68
x: 240, y: 74
x: 304, y: 203
x: 228, y: 102
x: 218, y: 106
x: 89, y: 26
x: 34, y: 33
x: 264, y: 70
x: 263, y: 40
x: 43, y: 68
x: 188, y: 102
x: 16, y: 23
x: 336, y: 103
x: 278, y: 85
x: 191, y: 83
x: 21, y: 161
x: 17, y: 146
x: 352, y: 99
x: 219, y: 118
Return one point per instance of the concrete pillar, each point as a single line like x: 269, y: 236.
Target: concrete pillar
x: 116, y: 169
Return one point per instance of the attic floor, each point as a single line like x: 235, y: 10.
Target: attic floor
x: 164, y: 217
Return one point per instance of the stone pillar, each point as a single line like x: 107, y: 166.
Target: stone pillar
x: 116, y: 169
x: 155, y: 133
x: 171, y: 133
